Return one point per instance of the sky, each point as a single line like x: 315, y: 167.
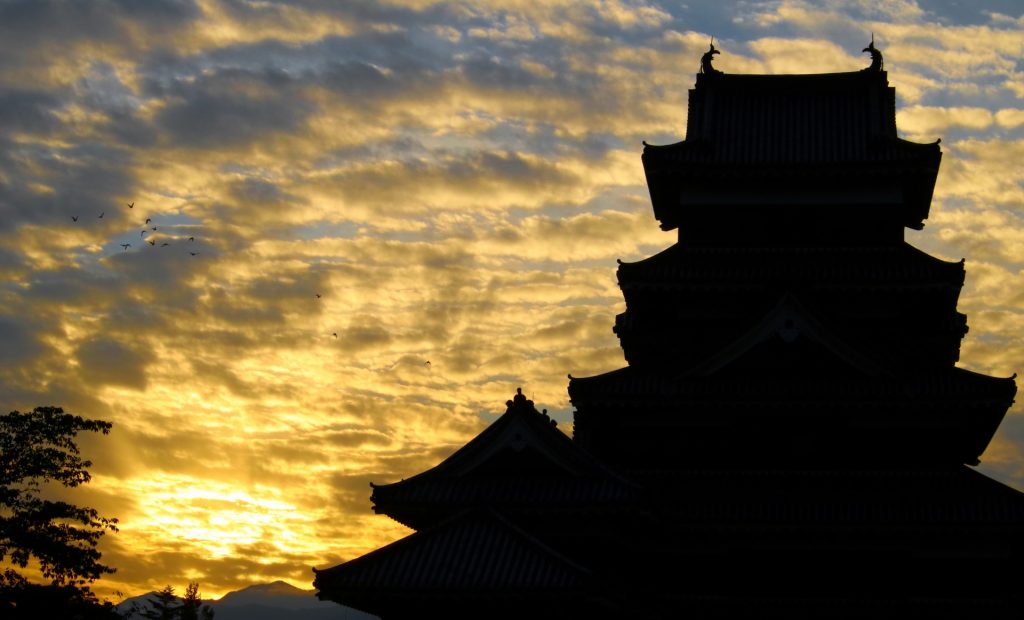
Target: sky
x: 372, y: 221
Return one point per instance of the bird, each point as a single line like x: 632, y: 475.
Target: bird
x: 427, y: 363
x: 142, y: 233
x: 335, y: 334
x: 191, y: 238
x: 101, y: 215
x: 317, y: 295
x: 193, y: 253
x: 152, y: 242
x: 149, y: 219
x: 154, y: 228
x: 164, y: 244
x: 74, y: 218
x: 126, y: 246
x: 131, y: 205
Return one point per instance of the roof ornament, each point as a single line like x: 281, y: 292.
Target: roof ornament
x: 705, y: 60
x: 520, y: 402
x: 876, y: 56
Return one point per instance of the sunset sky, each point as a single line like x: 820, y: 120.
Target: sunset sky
x: 454, y: 179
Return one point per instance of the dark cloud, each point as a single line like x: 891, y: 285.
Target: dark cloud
x: 356, y: 437
x: 83, y: 180
x: 241, y: 312
x: 75, y: 287
x: 232, y: 107
x: 29, y: 111
x: 33, y: 33
x: 102, y: 361
x: 480, y: 174
x: 365, y: 332
x: 22, y: 340
x: 67, y: 20
x: 221, y: 375
x: 105, y: 362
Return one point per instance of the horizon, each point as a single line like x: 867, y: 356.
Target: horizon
x: 399, y: 213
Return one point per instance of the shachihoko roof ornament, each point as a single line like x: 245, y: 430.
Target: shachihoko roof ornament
x: 705, y: 60
x: 876, y: 56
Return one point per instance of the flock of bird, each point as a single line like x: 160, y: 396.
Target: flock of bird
x: 143, y: 232
x: 152, y: 242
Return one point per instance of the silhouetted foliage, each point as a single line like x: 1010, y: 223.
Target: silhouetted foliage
x: 38, y: 449
x: 165, y: 605
x: 192, y: 607
x: 23, y: 600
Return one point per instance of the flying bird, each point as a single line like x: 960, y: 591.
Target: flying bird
x: 131, y: 205
x: 126, y: 246
x: 193, y: 253
x: 335, y: 334
x: 191, y: 238
x: 152, y: 242
x: 317, y: 295
x: 74, y: 218
x: 149, y: 219
x: 101, y: 215
x: 154, y: 228
x: 142, y: 233
x: 163, y: 245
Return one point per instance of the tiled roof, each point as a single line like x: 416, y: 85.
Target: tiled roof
x: 872, y: 267
x: 543, y: 470
x: 832, y: 498
x: 637, y: 388
x: 527, y: 493
x: 766, y: 119
x: 478, y: 553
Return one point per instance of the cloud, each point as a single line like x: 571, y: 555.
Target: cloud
x: 108, y: 362
x: 231, y: 108
x: 455, y: 180
x: 21, y: 338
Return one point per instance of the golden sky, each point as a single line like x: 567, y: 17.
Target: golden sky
x: 454, y: 180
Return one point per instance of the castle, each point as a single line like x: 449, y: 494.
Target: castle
x: 791, y: 435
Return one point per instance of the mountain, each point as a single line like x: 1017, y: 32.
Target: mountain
x: 268, y: 601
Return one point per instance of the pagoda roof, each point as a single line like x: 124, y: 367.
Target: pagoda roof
x: 634, y: 387
x: 809, y: 139
x: 783, y: 325
x: 521, y: 462
x: 900, y: 266
x: 832, y: 498
x: 477, y: 554
x: 823, y: 118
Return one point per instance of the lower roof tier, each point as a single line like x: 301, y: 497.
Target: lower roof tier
x: 478, y: 557
x: 895, y: 266
x: 712, y: 540
x: 896, y: 329
x: 643, y: 419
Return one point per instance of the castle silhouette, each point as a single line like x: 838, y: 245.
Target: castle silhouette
x: 791, y: 436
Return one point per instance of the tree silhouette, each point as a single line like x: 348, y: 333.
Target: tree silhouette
x: 192, y: 607
x: 165, y: 605
x: 38, y: 449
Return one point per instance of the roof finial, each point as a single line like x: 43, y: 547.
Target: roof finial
x: 876, y: 56
x: 705, y: 60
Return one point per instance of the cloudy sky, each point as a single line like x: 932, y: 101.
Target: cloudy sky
x: 454, y: 180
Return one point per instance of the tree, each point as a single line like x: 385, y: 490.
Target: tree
x: 165, y: 605
x: 38, y: 449
x: 192, y: 607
